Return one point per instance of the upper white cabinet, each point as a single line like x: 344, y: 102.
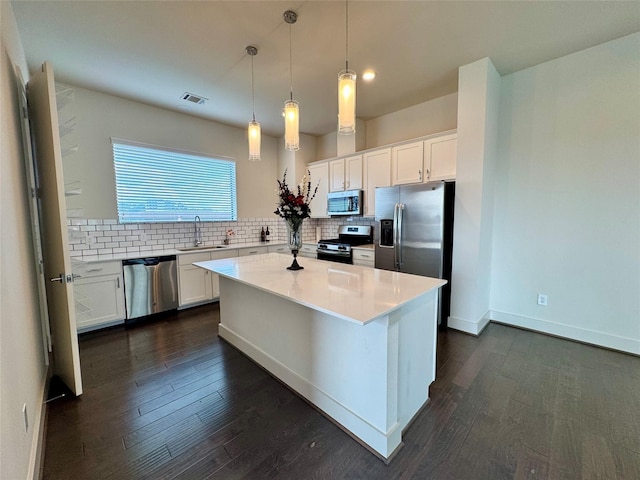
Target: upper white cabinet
x: 319, y: 173
x: 407, y: 163
x: 424, y: 161
x: 336, y: 175
x: 353, y: 172
x: 345, y: 174
x: 440, y: 157
x: 377, y: 173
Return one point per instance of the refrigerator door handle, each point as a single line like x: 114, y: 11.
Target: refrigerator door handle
x: 399, y: 233
x: 395, y: 237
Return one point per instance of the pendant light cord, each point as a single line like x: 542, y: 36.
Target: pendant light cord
x: 253, y: 95
x: 290, y: 66
x: 346, y: 36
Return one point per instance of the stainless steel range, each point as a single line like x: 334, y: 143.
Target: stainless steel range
x: 339, y: 249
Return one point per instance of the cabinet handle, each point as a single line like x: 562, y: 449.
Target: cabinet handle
x: 118, y: 282
x: 428, y: 173
x: 420, y: 174
x: 363, y: 255
x: 97, y: 269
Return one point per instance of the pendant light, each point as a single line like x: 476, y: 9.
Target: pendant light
x: 253, y: 132
x: 291, y: 111
x: 347, y: 90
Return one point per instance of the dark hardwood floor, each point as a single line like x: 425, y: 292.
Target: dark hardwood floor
x: 169, y: 400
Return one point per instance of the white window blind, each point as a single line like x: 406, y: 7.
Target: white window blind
x: 154, y: 184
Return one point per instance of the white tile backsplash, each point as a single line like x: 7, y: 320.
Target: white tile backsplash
x: 106, y: 236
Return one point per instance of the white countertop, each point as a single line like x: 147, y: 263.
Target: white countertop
x: 354, y: 293
x: 168, y: 251
x: 369, y: 246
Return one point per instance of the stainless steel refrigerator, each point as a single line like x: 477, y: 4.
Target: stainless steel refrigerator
x: 414, y: 233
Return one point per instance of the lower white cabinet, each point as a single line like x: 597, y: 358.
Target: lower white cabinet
x: 99, y: 295
x: 279, y: 249
x: 364, y: 257
x: 244, y: 252
x: 308, y: 250
x: 197, y: 285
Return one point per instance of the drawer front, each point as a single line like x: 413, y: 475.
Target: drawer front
x: 189, y: 258
x: 279, y: 249
x: 217, y: 255
x: 96, y: 269
x: 367, y: 255
x: 243, y: 252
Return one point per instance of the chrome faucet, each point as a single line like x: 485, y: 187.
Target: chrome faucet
x: 197, y: 224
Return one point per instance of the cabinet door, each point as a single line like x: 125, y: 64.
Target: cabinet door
x: 353, y: 172
x: 99, y: 301
x: 377, y: 173
x: 407, y: 163
x: 336, y: 175
x: 195, y: 285
x: 319, y: 173
x: 440, y: 157
x: 308, y: 250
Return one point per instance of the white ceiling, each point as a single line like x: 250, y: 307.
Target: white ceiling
x: 154, y: 51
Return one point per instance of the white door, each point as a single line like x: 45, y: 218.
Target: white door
x: 57, y: 262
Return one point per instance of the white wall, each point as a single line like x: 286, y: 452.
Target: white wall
x: 22, y: 362
x: 100, y: 116
x: 478, y: 101
x: 567, y: 202
x: 433, y: 116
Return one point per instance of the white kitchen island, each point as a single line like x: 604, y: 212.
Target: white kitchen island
x: 357, y: 342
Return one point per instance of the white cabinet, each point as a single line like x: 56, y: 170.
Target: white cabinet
x: 308, y: 250
x: 345, y: 174
x: 336, y: 175
x: 197, y: 285
x: 99, y: 295
x: 440, y: 157
x: 279, y: 249
x: 407, y: 163
x: 319, y: 173
x: 364, y: 257
x: 377, y: 173
x: 353, y: 172
x: 245, y: 252
x: 194, y: 283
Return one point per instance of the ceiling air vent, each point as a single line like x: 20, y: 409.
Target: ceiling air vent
x: 190, y: 97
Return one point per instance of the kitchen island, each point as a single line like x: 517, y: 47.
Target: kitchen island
x: 357, y: 342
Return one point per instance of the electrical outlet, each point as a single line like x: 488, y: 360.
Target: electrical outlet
x: 25, y: 417
x: 542, y: 299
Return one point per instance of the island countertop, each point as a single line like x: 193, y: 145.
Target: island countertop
x: 353, y: 293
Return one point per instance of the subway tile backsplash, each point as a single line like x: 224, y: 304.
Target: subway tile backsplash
x: 106, y: 236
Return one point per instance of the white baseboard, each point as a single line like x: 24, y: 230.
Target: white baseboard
x: 468, y: 326
x: 38, y: 441
x: 602, y: 339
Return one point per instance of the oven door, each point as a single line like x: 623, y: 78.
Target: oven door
x: 334, y: 257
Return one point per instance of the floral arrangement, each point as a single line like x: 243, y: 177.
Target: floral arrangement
x: 230, y: 233
x: 294, y: 205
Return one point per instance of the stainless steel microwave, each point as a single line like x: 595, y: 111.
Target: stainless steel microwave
x: 344, y: 203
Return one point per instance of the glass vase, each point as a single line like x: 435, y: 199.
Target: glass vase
x: 294, y: 240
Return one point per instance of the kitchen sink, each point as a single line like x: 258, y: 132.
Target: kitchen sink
x: 201, y: 247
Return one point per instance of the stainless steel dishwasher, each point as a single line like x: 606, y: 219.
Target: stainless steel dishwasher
x: 150, y: 285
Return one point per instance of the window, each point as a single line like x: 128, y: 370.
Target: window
x: 155, y: 184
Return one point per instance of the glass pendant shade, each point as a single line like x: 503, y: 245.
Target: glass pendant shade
x: 254, y: 134
x: 291, y: 125
x: 346, y: 102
